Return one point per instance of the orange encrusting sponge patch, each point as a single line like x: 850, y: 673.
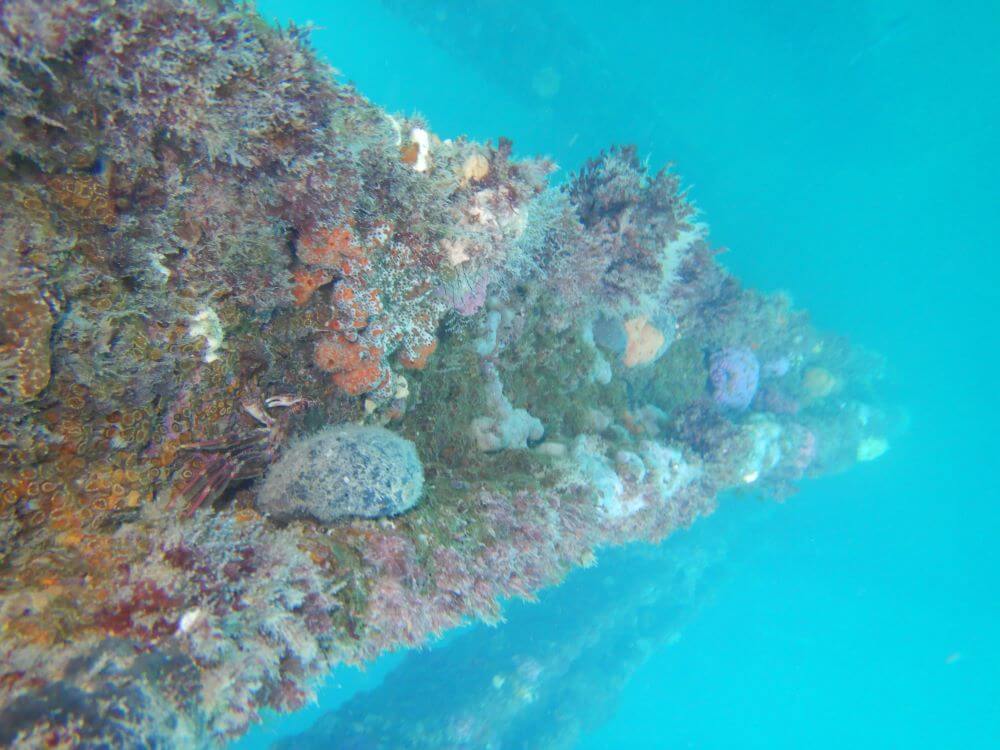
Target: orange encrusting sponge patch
x: 417, y: 360
x: 331, y: 248
x: 356, y: 368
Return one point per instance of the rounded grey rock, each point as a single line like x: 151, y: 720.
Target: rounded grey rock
x: 343, y: 471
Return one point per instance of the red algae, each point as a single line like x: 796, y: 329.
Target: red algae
x: 257, y: 258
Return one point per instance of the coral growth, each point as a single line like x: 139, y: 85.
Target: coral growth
x: 505, y: 427
x: 214, y: 256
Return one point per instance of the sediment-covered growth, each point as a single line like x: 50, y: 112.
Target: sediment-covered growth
x: 212, y: 253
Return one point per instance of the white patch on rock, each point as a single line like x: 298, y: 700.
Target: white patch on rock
x: 206, y: 325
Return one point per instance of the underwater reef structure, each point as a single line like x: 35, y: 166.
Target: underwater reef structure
x: 212, y: 252
x: 551, y: 674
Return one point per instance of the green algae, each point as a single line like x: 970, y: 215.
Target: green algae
x: 675, y: 379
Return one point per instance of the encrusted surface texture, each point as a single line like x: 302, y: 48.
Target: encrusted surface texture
x: 214, y: 256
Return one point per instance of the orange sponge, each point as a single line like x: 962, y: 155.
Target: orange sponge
x: 331, y: 248
x: 356, y: 368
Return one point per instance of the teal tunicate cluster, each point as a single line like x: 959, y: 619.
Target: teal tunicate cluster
x: 341, y: 472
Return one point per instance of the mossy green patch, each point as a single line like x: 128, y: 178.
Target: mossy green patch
x: 676, y: 379
x: 550, y: 375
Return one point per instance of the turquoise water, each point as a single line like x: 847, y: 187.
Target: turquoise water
x: 844, y: 152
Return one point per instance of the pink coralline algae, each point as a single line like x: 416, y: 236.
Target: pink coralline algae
x: 734, y: 373
x: 470, y: 298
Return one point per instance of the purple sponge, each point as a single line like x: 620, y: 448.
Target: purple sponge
x: 734, y: 373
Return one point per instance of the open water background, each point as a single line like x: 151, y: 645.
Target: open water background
x: 846, y: 152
